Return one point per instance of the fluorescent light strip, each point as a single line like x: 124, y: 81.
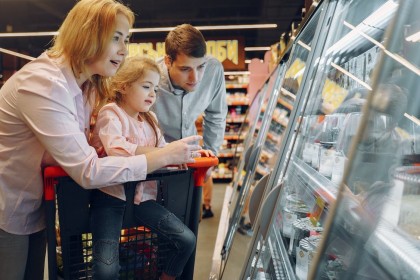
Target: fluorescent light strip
x: 413, y: 38
x: 396, y: 57
x: 382, y: 13
x: 228, y: 73
x: 412, y: 118
x: 153, y: 29
x: 250, y: 49
x: 17, y: 54
x: 248, y: 61
x: 210, y: 27
x: 305, y: 46
x: 344, y: 71
x: 28, y: 34
x: 378, y: 19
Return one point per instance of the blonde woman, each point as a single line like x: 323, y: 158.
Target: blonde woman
x: 45, y: 111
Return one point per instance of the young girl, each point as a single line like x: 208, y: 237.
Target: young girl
x: 127, y: 127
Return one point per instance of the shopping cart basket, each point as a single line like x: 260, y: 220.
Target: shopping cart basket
x: 141, y: 252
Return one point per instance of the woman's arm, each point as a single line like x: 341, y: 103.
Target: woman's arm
x: 50, y: 113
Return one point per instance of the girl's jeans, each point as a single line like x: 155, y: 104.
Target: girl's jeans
x: 106, y: 222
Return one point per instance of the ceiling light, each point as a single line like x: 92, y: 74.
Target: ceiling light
x: 17, y: 54
x: 28, y: 34
x: 152, y: 29
x: 209, y: 27
x: 248, y: 61
x: 378, y: 20
x: 250, y: 49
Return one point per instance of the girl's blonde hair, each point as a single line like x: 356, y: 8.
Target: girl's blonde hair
x: 84, y: 36
x: 131, y: 70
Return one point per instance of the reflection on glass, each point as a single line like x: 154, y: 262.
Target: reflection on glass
x: 375, y: 233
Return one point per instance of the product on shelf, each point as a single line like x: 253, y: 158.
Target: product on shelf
x: 236, y: 126
x: 301, y: 228
x: 294, y: 209
x: 407, y: 199
x: 333, y: 95
x: 304, y: 254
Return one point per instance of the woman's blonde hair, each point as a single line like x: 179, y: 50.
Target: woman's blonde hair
x: 84, y: 36
x: 131, y: 70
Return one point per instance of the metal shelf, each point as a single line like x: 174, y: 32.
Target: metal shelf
x: 319, y: 184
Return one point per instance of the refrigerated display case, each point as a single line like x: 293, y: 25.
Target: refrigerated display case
x: 282, y: 87
x: 252, y: 124
x: 376, y: 214
x: 348, y: 168
x: 254, y: 143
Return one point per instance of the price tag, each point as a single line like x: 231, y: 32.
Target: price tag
x: 315, y: 155
x: 326, y: 162
x: 289, y: 218
x: 307, y: 153
x: 338, y: 169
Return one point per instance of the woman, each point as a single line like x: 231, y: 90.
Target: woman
x: 45, y: 111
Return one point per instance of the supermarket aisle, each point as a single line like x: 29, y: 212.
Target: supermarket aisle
x: 207, y: 232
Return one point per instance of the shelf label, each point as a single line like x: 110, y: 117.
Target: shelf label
x: 326, y: 162
x: 338, y: 169
x: 316, y: 148
x: 307, y: 153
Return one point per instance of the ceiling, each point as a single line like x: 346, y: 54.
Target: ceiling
x: 46, y: 15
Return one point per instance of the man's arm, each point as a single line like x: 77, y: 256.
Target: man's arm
x: 215, y: 114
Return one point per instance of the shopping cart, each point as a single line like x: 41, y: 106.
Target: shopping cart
x: 141, y: 252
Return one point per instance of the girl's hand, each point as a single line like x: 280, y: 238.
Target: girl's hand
x: 182, y: 151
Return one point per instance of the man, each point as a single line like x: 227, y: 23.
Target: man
x: 192, y: 84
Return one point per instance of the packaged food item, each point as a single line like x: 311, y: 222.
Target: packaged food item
x: 409, y: 206
x: 294, y: 209
x: 304, y: 254
x: 302, y: 228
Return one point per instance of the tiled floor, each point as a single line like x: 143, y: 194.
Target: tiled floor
x: 206, y: 241
x: 207, y: 231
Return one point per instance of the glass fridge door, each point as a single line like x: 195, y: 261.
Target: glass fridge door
x: 374, y: 232
x: 239, y: 198
x: 296, y: 71
x: 316, y: 151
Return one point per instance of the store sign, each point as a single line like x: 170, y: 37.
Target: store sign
x: 229, y: 52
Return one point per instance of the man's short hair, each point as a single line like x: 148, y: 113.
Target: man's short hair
x: 185, y: 39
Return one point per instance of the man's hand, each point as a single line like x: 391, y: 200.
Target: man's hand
x: 206, y: 153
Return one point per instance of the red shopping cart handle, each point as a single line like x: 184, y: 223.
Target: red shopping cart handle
x: 50, y: 173
x: 54, y: 172
x: 201, y: 165
x: 203, y: 162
